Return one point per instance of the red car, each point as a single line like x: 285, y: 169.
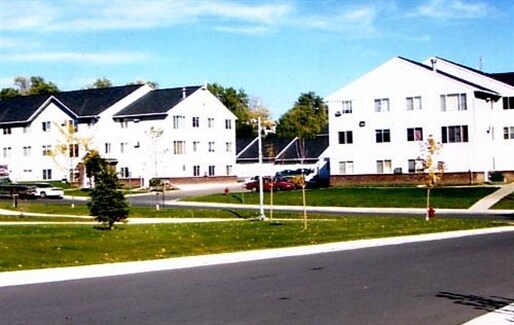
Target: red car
x: 279, y: 184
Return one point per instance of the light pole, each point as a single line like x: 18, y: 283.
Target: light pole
x: 261, y: 189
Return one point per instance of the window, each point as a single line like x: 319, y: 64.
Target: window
x: 107, y: 147
x: 124, y: 124
x: 46, y: 126
x: 228, y: 146
x: 26, y: 129
x: 195, y: 145
x: 411, y: 165
x: 212, y: 170
x: 47, y: 174
x: 508, y: 132
x: 413, y: 103
x: 345, y: 137
x: 210, y: 122
x: 71, y: 126
x: 123, y: 147
x: 229, y: 170
x: 7, y: 130
x: 7, y: 152
x: 383, y: 136
x: 196, y: 170
x: 211, y: 146
x: 27, y: 151
x: 124, y: 172
x: 415, y: 134
x: 347, y: 107
x: 346, y: 167
x: 228, y: 124
x: 453, y: 134
x: 179, y: 147
x: 453, y: 102
x: 73, y: 150
x: 178, y: 121
x: 382, y: 105
x: 47, y: 150
x: 508, y: 102
x: 383, y: 166
x: 196, y: 122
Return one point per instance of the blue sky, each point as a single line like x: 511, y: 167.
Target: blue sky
x: 274, y: 50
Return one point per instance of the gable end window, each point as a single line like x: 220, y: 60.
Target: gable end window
x: 382, y: 105
x: 413, y: 103
x: 454, y: 134
x: 345, y: 137
x: 46, y: 126
x: 347, y: 107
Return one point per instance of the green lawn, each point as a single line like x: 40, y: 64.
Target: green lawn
x: 43, y: 246
x: 507, y: 203
x: 445, y: 197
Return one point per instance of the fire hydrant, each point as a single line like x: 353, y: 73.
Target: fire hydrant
x: 226, y: 191
x: 431, y: 213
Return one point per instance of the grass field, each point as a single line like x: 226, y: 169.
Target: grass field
x: 507, y: 203
x: 398, y: 197
x: 43, y: 246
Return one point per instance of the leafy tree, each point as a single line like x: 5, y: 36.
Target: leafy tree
x: 100, y: 83
x: 432, y: 169
x: 307, y: 118
x: 94, y: 164
x: 32, y: 86
x: 152, y: 84
x: 108, y: 205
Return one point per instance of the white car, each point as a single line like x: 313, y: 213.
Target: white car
x: 44, y: 190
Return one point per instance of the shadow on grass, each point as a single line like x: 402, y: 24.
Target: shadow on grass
x: 489, y: 304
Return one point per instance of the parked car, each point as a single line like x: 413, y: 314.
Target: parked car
x: 44, y: 190
x: 19, y: 190
x: 279, y: 184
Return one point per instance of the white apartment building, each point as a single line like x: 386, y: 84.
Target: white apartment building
x: 377, y: 123
x: 181, y: 134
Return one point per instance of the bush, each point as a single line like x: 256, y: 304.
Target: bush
x: 496, y: 176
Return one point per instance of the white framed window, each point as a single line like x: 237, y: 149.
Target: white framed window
x: 107, y: 147
x: 7, y: 130
x: 179, y: 121
x: 212, y: 170
x: 345, y: 137
x: 383, y: 135
x: 179, y: 147
x: 454, y: 134
x: 124, y: 124
x: 413, y: 103
x: 124, y: 172
x: 346, y: 167
x: 47, y: 174
x: 228, y: 124
x: 508, y: 133
x: 211, y: 146
x: 7, y: 152
x: 346, y: 107
x: 453, y: 102
x: 382, y: 105
x: 46, y: 125
x: 508, y: 102
x: 47, y: 150
x: 415, y: 134
x: 123, y: 147
x: 196, y: 170
x: 73, y: 150
x: 27, y: 151
x: 228, y: 146
x: 384, y: 166
x: 210, y: 122
x: 228, y: 170
x: 26, y: 129
x: 196, y: 145
x: 196, y: 121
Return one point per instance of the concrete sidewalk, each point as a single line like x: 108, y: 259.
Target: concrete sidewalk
x: 487, y: 202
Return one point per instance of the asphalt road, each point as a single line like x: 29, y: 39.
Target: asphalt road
x: 438, y: 282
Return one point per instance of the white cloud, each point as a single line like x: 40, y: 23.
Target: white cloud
x: 453, y: 9
x: 96, y: 58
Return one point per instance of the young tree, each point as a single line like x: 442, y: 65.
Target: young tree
x: 108, y: 205
x: 432, y: 168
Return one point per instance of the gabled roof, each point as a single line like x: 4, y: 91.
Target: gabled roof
x: 450, y: 76
x: 271, y: 147
x: 157, y: 102
x: 313, y: 149
x: 80, y: 103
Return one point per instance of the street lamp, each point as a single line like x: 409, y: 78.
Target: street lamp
x: 261, y: 185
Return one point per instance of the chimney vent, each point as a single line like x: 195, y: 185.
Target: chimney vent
x: 434, y: 64
x: 184, y: 93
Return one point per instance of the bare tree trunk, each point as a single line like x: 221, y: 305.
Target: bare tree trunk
x: 428, y: 204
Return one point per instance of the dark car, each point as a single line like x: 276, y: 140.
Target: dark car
x: 278, y: 184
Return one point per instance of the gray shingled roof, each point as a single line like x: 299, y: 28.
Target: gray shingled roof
x: 157, y: 102
x: 82, y: 103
